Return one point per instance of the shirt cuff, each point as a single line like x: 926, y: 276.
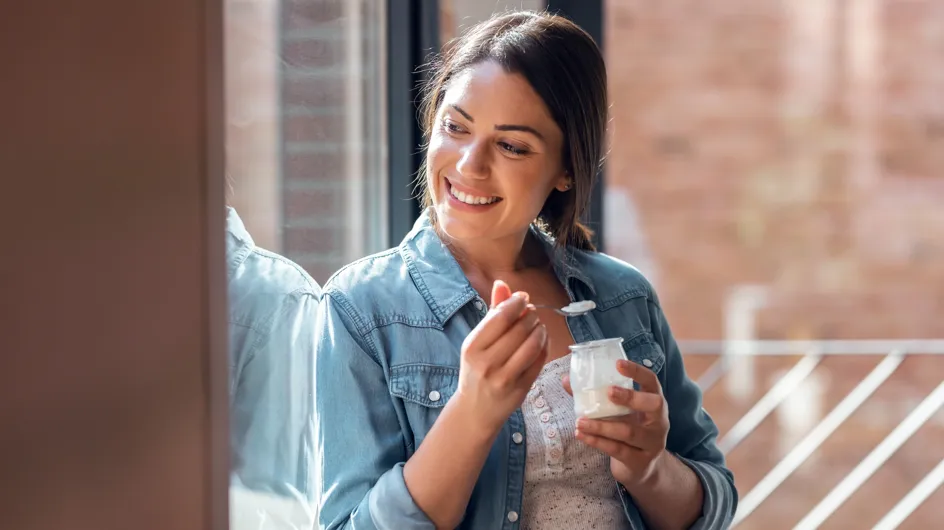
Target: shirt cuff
x: 391, y: 506
x: 720, y: 496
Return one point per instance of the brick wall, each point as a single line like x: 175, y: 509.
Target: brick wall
x: 798, y: 148
x: 795, y: 147
x: 331, y: 139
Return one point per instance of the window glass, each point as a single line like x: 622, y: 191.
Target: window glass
x: 307, y: 193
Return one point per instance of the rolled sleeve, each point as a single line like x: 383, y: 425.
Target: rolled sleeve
x: 392, y: 506
x: 693, y: 434
x: 361, y: 448
x: 720, y: 497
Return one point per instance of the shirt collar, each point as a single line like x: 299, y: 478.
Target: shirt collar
x: 443, y: 284
x: 239, y: 243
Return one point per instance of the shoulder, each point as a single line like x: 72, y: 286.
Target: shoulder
x: 614, y: 280
x: 266, y: 286
x: 377, y: 275
x: 375, y: 290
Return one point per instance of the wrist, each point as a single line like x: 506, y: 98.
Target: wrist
x: 473, y: 423
x: 651, y: 477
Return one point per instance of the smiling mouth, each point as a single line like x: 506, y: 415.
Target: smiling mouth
x: 470, y: 199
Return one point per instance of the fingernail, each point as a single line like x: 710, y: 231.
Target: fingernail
x: 617, y: 392
x: 622, y: 363
x: 583, y: 423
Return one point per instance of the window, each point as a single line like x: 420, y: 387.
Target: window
x: 457, y: 15
x: 306, y: 141
x: 306, y: 163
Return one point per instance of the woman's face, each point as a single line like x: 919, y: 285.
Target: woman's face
x: 494, y: 155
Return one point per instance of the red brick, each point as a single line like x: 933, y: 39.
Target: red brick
x: 314, y: 90
x: 307, y: 203
x: 320, y: 270
x: 315, y: 128
x: 307, y: 240
x: 309, y: 14
x: 315, y: 53
x: 314, y: 166
x: 718, y: 81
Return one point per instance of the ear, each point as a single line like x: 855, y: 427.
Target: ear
x: 564, y: 183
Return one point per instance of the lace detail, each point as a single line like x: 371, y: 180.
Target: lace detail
x: 567, y: 483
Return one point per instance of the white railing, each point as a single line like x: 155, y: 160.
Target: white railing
x: 811, y: 353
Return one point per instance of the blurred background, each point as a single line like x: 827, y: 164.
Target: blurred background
x: 776, y: 168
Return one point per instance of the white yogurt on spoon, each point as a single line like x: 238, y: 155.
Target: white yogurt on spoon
x: 579, y: 308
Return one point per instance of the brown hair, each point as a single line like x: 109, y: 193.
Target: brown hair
x: 564, y: 66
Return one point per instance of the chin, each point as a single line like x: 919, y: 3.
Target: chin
x: 459, y: 227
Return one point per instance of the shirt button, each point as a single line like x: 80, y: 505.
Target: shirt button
x: 647, y: 363
x: 512, y: 516
x: 551, y: 432
x: 555, y: 453
x: 479, y: 306
x: 517, y: 438
x: 539, y: 403
x: 546, y: 417
x: 434, y: 395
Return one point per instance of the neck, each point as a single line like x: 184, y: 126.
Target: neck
x: 490, y: 259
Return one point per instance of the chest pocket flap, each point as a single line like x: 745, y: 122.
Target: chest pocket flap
x: 644, y: 350
x: 424, y: 384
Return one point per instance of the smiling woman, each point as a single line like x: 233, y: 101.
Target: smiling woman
x: 439, y: 391
x: 490, y: 110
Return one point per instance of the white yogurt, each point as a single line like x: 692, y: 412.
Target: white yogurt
x: 594, y: 403
x: 579, y: 308
x: 592, y: 372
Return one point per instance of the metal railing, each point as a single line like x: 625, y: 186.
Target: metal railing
x: 811, y: 354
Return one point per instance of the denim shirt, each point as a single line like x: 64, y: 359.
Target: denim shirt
x: 389, y: 335
x: 273, y: 305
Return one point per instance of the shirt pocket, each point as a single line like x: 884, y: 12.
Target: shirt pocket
x: 424, y: 384
x: 424, y: 390
x: 642, y: 349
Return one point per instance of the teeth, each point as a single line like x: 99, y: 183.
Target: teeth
x: 470, y: 199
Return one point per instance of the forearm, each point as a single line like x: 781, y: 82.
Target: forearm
x: 441, y: 474
x: 671, y: 498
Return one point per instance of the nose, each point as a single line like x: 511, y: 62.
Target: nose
x: 474, y: 162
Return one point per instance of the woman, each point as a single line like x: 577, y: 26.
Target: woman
x: 440, y: 389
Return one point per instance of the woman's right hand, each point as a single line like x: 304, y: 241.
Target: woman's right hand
x: 501, y: 358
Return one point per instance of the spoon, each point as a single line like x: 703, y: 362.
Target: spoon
x: 573, y: 309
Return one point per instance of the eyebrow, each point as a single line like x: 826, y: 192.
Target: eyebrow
x: 506, y: 127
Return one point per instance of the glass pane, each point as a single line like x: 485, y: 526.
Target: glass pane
x: 457, y: 15
x: 306, y: 164
x: 306, y: 127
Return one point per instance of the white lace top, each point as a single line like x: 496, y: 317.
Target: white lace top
x: 567, y: 483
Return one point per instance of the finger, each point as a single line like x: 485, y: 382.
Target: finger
x: 636, y: 400
x: 498, y: 321
x: 506, y: 345
x: 612, y: 448
x: 500, y: 293
x: 532, y: 372
x: 525, y: 357
x: 645, y: 377
x: 614, y: 429
x: 566, y: 382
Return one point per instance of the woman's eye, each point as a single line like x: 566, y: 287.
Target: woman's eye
x: 512, y: 149
x: 451, y: 127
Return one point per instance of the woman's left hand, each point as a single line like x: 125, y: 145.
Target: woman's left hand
x: 635, y: 442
